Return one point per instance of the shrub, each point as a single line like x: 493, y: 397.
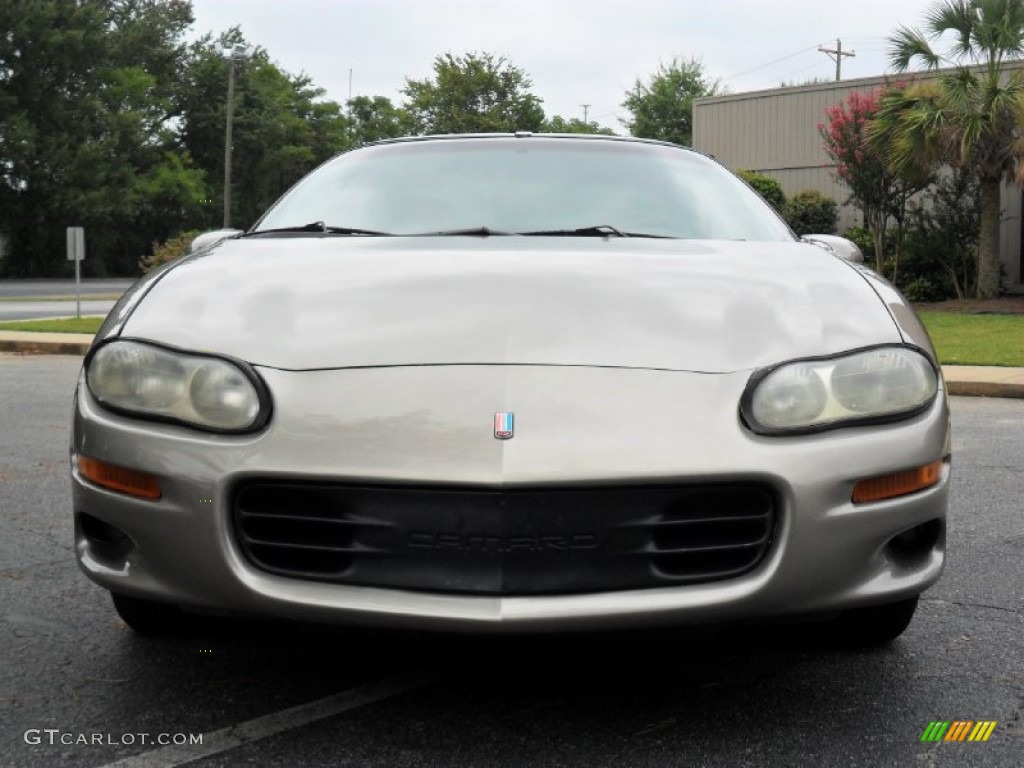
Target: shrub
x: 866, y: 242
x: 810, y: 212
x: 940, y: 252
x: 924, y: 289
x: 933, y: 268
x: 766, y: 187
x: 172, y: 248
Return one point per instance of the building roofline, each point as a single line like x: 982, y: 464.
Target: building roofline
x: 859, y: 82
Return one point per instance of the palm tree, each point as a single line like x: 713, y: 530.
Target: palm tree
x: 970, y: 116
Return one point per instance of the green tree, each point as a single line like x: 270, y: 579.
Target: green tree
x: 559, y: 124
x: 281, y: 127
x: 878, y: 190
x: 86, y: 130
x: 943, y: 238
x: 111, y: 121
x: 662, y: 108
x: 969, y: 117
x: 475, y: 93
x: 375, y: 118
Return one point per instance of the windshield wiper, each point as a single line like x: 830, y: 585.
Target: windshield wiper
x: 469, y: 232
x: 601, y: 230
x: 315, y: 226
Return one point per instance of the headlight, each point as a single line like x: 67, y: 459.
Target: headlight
x: 873, y: 385
x: 150, y: 381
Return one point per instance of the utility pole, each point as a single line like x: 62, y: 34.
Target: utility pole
x: 351, y: 131
x: 586, y: 108
x: 837, y: 56
x: 236, y: 52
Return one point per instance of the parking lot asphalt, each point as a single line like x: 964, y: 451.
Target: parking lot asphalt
x: 39, y: 299
x: 48, y: 289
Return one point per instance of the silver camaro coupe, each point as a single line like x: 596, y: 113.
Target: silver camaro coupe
x: 514, y: 383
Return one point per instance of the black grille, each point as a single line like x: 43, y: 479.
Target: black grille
x: 505, y: 542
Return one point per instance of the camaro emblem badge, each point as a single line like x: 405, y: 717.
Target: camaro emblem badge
x: 503, y: 425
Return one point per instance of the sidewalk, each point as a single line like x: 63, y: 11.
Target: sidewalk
x: 970, y: 380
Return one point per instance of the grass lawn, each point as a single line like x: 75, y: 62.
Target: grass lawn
x: 68, y: 325
x: 962, y: 339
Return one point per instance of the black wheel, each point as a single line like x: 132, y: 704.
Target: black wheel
x: 149, y: 617
x: 871, y: 626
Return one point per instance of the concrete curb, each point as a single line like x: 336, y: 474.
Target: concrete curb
x: 30, y: 343
x: 964, y: 380
x: 984, y: 380
x: 984, y: 389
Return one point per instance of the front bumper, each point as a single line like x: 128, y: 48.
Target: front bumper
x: 576, y: 427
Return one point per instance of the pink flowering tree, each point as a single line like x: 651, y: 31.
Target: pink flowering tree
x: 880, y: 193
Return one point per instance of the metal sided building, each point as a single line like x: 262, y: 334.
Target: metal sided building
x: 775, y: 132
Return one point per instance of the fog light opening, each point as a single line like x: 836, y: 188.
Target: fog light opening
x: 916, y: 542
x: 897, y: 483
x: 107, y: 542
x: 141, y: 485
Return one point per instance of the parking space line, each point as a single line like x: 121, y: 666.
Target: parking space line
x: 274, y: 723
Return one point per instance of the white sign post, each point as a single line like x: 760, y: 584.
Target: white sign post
x: 76, y: 252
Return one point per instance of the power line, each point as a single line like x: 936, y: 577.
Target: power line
x: 773, y: 61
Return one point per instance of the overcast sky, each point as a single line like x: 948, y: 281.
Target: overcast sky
x: 576, y: 51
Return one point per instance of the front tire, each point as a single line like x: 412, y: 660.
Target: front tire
x: 872, y: 626
x: 149, y: 617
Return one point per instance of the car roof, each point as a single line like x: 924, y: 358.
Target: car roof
x: 534, y: 136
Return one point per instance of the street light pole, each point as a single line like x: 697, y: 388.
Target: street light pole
x: 233, y: 54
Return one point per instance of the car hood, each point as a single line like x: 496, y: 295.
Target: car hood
x: 332, y: 302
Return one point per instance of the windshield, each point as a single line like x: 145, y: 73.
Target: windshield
x: 530, y: 184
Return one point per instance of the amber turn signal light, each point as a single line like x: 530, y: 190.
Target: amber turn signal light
x: 897, y: 483
x: 129, y: 481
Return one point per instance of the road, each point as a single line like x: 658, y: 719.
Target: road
x: 749, y: 697
x: 19, y: 299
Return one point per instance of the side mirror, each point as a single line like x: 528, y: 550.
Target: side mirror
x: 209, y: 238
x: 837, y: 246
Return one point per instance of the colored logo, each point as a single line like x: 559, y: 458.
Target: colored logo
x: 958, y: 730
x: 503, y: 425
